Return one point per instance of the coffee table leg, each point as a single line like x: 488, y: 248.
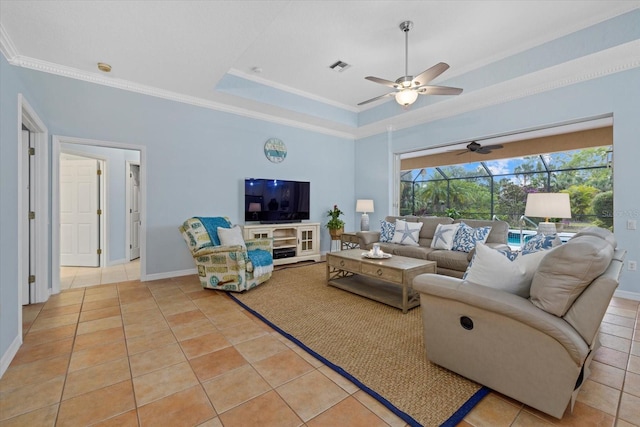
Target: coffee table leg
x: 404, y: 299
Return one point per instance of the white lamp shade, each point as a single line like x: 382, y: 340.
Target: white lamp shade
x: 364, y: 205
x: 406, y: 97
x: 548, y: 205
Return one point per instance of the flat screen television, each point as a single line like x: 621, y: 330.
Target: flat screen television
x: 272, y: 201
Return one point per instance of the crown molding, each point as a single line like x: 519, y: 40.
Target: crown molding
x: 6, y: 45
x: 609, y: 61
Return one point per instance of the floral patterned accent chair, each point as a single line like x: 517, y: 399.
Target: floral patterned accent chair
x: 225, y: 261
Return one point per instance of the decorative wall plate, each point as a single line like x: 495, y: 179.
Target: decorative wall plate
x: 275, y: 150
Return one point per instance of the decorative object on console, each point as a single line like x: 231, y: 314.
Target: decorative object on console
x: 365, y: 206
x: 335, y: 224
x: 275, y: 150
x: 548, y: 205
x: 255, y: 208
x: 407, y: 233
x: 467, y: 237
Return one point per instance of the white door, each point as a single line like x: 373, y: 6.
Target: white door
x: 134, y: 211
x: 79, y: 221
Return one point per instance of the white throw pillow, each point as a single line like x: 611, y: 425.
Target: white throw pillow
x: 503, y: 269
x: 231, y: 236
x: 444, y: 235
x: 407, y: 233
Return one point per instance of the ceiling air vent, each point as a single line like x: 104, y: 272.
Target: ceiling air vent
x: 339, y: 66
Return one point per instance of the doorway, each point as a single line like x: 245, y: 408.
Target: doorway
x: 114, y: 259
x: 132, y: 210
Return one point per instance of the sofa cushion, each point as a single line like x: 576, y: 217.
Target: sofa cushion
x: 467, y: 237
x: 387, y: 229
x: 406, y: 233
x: 444, y: 235
x: 566, y: 270
x: 450, y: 260
x: 503, y: 269
x: 419, y: 252
x: 541, y: 242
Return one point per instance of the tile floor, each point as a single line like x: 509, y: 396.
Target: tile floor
x: 169, y: 353
x: 77, y: 277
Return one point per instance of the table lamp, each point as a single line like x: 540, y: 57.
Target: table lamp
x: 255, y: 208
x: 364, y: 206
x: 548, y: 205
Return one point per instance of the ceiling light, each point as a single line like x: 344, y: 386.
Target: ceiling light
x: 104, y: 67
x: 339, y: 66
x: 406, y: 97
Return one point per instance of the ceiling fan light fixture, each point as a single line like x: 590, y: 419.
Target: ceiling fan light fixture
x: 406, y: 97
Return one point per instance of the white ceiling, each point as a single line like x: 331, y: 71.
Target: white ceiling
x: 182, y: 49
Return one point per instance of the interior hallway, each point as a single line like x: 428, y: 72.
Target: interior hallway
x: 77, y: 277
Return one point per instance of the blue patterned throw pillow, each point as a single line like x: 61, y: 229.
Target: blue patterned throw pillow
x: 541, y: 242
x: 387, y: 229
x: 467, y: 237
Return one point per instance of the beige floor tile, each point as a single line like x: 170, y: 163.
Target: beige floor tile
x: 260, y: 348
x: 39, y: 371
x: 49, y: 335
x: 147, y: 304
x: 379, y: 409
x: 267, y: 410
x: 193, y: 329
x: 189, y: 407
x: 349, y: 412
x: 96, y: 377
x: 607, y: 375
x: 282, y: 367
x: 128, y: 419
x: 164, y: 382
x: 617, y: 330
x: 152, y: 315
x: 492, y: 411
x: 527, y: 419
x: 635, y: 348
x: 311, y: 394
x: 619, y: 320
x: 623, y: 312
x: 630, y: 408
x: 43, y: 322
x: 611, y: 357
x: 235, y: 387
x: 632, y: 384
x: 634, y: 364
x: 245, y: 331
x: 148, y: 342
x: 100, y: 313
x: 97, y: 354
x: 582, y: 415
x: 140, y: 329
x: 101, y: 303
x: 40, y: 417
x: 217, y: 363
x: 60, y: 311
x: 204, y: 344
x: 599, y: 396
x: 31, y: 397
x: 615, y: 343
x: 175, y: 305
x: 97, y: 405
x: 104, y: 336
x: 31, y: 352
x: 346, y: 385
x: 99, y: 324
x: 153, y: 360
x: 185, y: 317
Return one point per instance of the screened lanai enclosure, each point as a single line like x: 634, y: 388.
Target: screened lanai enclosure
x: 498, y: 187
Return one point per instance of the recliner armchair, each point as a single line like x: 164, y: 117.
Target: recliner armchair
x: 535, y: 350
x: 226, y: 268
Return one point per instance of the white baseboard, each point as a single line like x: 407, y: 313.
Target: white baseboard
x: 627, y: 295
x: 8, y: 355
x: 168, y: 275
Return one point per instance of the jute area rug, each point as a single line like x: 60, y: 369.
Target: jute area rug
x: 374, y: 345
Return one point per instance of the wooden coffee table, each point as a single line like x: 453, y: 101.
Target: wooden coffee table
x: 384, y: 280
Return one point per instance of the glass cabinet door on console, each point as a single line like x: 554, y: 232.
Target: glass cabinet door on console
x: 307, y: 240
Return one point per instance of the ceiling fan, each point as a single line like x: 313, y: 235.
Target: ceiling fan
x: 474, y: 147
x: 407, y: 87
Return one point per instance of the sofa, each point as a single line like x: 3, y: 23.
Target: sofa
x: 449, y: 262
x: 536, y: 350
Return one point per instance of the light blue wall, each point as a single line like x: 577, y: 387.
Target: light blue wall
x: 10, y: 86
x: 115, y: 173
x: 606, y: 95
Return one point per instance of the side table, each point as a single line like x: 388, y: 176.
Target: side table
x: 349, y: 241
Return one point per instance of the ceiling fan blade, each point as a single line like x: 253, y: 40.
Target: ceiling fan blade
x: 492, y: 147
x: 383, y: 81
x: 430, y: 74
x: 439, y: 90
x: 376, y: 98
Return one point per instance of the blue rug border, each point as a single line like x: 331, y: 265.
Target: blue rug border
x: 451, y: 422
